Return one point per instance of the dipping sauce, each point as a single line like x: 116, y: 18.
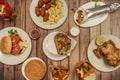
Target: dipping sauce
x: 34, y: 33
x: 35, y: 70
x: 74, y: 31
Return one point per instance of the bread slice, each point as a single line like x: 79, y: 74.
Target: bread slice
x: 62, y: 43
x: 6, y: 45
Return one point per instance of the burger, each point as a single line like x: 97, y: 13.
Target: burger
x: 12, y: 44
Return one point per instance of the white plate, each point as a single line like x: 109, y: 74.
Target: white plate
x: 50, y: 49
x: 28, y: 60
x: 12, y: 59
x: 100, y: 63
x: 95, y: 21
x: 37, y: 20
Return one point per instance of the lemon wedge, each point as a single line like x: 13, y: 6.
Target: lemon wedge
x: 100, y: 40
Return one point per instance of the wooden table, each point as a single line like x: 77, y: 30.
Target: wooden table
x: 110, y: 26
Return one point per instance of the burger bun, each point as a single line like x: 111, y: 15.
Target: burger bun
x: 6, y: 45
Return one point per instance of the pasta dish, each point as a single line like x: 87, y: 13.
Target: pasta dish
x: 55, y: 13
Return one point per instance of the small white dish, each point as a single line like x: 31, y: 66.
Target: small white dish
x: 100, y: 63
x: 49, y: 47
x: 28, y: 60
x: 37, y: 20
x: 12, y: 59
x: 92, y: 22
x: 74, y: 31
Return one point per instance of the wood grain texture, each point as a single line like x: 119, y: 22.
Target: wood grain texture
x: 9, y: 70
x: 110, y: 26
x: 1, y: 65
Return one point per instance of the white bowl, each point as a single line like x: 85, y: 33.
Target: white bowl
x: 28, y: 60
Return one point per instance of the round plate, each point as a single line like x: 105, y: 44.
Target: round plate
x: 95, y: 21
x: 28, y: 60
x: 12, y: 59
x: 46, y: 43
x: 37, y: 20
x: 100, y: 63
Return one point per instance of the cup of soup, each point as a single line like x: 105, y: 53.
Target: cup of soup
x: 34, y: 68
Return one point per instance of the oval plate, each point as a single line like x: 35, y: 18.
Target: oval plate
x: 95, y: 21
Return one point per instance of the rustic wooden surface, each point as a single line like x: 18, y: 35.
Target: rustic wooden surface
x: 110, y: 26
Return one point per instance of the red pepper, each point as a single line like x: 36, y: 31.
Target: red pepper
x: 7, y: 10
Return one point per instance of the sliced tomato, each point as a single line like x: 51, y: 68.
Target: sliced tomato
x: 15, y: 49
x: 15, y: 38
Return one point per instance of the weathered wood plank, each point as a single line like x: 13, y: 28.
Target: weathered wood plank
x: 115, y: 18
x: 9, y: 70
x: 110, y: 26
x: 30, y: 25
x: 95, y: 31
x: 106, y: 29
x: 74, y: 58
x: 1, y: 64
x: 20, y: 23
x: 39, y: 47
x: 64, y: 28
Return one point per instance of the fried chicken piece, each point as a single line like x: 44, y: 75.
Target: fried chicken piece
x: 43, y: 11
x: 40, y: 3
x: 110, y: 53
x: 46, y: 17
x: 48, y: 5
x: 37, y: 11
x: 46, y: 1
x: 60, y: 73
x: 97, y: 52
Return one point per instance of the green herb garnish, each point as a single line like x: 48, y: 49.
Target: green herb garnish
x: 104, y: 44
x: 13, y: 16
x: 96, y: 4
x: 85, y: 68
x: 13, y: 32
x: 67, y: 52
x: 54, y: 2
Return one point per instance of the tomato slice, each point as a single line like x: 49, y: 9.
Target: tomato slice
x: 15, y: 39
x: 15, y: 49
